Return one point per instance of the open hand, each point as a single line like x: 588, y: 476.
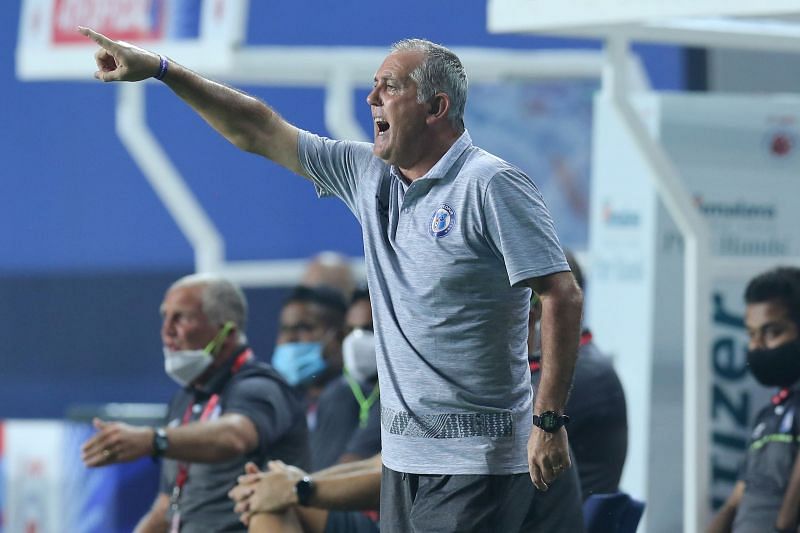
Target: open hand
x: 116, y: 442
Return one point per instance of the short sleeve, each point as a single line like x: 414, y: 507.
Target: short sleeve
x: 266, y: 403
x: 335, y: 167
x: 519, y: 227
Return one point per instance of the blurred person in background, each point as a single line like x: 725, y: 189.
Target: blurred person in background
x: 308, y: 349
x: 285, y: 499
x: 330, y: 269
x: 348, y: 417
x: 230, y: 410
x: 335, y: 375
x: 766, y: 498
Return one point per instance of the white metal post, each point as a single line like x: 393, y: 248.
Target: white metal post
x: 695, y: 233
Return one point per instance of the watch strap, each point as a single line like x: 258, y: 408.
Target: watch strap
x: 160, y: 442
x: 304, y: 490
x: 550, y: 421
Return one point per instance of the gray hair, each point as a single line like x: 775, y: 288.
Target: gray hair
x: 222, y: 300
x: 440, y: 71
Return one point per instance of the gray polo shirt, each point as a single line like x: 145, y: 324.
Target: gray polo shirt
x: 444, y: 259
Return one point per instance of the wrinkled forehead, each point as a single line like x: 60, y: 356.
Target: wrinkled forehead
x: 183, y: 298
x: 400, y: 64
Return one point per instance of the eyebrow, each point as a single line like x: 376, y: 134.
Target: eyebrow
x: 386, y: 77
x: 767, y: 324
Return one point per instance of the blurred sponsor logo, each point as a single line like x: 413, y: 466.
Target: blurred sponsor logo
x: 133, y: 20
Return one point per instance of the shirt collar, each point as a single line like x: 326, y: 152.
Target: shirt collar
x: 443, y: 166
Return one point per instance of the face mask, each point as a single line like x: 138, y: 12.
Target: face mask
x: 358, y: 353
x: 298, y: 362
x: 184, y: 366
x: 776, y: 367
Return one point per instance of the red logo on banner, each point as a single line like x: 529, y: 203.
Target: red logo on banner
x: 781, y: 144
x: 130, y: 20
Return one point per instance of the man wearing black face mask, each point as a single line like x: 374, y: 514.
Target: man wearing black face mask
x: 767, y: 495
x: 229, y: 411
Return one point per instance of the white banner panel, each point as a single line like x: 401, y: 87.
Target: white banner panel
x: 199, y: 32
x: 738, y: 158
x: 33, y: 452
x: 551, y: 15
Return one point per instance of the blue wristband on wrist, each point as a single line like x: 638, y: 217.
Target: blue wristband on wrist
x: 162, y: 67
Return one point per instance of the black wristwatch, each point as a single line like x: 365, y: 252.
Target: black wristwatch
x: 550, y: 421
x: 160, y: 442
x: 304, y: 490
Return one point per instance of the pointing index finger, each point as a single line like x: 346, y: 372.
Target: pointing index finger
x: 99, y: 38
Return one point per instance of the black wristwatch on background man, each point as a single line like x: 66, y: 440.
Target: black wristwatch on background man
x: 160, y: 442
x: 304, y: 490
x: 550, y: 421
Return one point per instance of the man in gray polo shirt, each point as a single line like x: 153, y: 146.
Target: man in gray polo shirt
x: 454, y: 239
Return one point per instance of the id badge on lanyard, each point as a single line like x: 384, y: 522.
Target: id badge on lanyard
x: 183, y: 467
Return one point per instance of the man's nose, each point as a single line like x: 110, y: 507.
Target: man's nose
x: 757, y: 342
x: 167, y: 329
x: 372, y: 97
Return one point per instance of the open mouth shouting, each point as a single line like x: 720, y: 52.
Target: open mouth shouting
x: 381, y: 126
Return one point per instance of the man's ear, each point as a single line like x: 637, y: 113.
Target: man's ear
x: 439, y: 105
x: 232, y: 339
x: 434, y: 106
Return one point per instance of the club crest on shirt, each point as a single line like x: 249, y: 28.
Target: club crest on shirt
x: 786, y: 422
x: 442, y: 221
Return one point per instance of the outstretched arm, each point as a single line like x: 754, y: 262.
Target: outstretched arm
x: 245, y: 121
x: 211, y: 441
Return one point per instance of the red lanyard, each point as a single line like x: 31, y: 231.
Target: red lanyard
x: 183, y: 467
x: 781, y: 396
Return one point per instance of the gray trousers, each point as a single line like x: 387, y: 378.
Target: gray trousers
x: 415, y: 503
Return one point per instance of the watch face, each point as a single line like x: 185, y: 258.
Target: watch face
x: 549, y: 421
x: 160, y: 442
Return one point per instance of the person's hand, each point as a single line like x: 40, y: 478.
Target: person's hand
x: 548, y: 456
x: 121, y: 61
x: 265, y: 492
x: 116, y: 442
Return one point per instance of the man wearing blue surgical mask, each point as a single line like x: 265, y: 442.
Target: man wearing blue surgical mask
x: 308, y: 350
x: 230, y: 410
